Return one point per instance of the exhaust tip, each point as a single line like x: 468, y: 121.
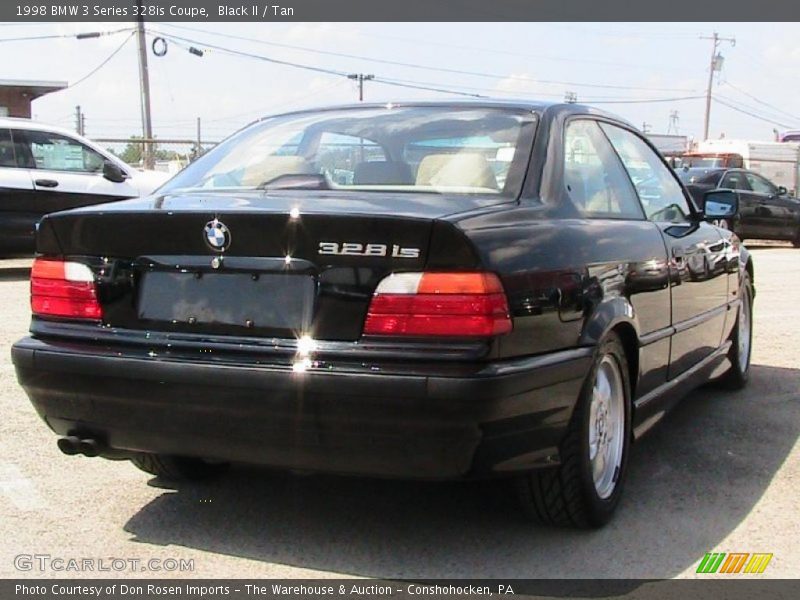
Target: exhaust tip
x: 89, y: 447
x: 69, y: 445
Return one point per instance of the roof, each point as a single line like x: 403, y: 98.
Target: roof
x: 705, y: 169
x: 21, y: 123
x: 34, y: 89
x: 539, y: 106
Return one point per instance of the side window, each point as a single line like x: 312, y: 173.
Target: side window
x: 659, y: 191
x: 60, y: 153
x: 8, y: 157
x: 760, y: 185
x: 596, y: 181
x: 734, y: 180
x: 339, y: 155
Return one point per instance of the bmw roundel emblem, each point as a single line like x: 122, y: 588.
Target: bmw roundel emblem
x: 217, y: 235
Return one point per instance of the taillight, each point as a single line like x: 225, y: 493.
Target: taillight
x: 439, y: 304
x: 64, y: 289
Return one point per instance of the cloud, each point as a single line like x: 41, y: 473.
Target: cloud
x: 319, y: 33
x: 783, y: 54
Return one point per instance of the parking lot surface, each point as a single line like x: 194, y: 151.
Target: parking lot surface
x: 721, y: 473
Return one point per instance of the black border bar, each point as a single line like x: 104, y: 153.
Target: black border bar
x: 712, y: 588
x: 200, y: 11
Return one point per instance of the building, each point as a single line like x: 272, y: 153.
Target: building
x: 16, y: 95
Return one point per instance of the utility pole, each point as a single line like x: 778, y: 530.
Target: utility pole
x: 78, y: 120
x: 199, y: 149
x: 144, y: 84
x: 714, y: 66
x: 361, y: 78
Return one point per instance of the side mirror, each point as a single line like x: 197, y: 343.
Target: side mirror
x: 113, y: 172
x: 720, y: 204
x: 782, y: 191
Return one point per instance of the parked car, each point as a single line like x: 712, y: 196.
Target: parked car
x: 420, y: 320
x: 45, y: 169
x: 778, y: 162
x: 766, y: 211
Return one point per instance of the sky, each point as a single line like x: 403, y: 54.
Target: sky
x: 614, y: 66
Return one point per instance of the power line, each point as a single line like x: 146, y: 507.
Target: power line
x: 234, y: 52
x: 493, y: 76
x: 755, y: 109
x: 396, y: 82
x: 105, y: 62
x: 65, y: 35
x: 643, y: 100
x: 36, y: 37
x: 334, y: 72
x: 767, y: 104
x: 606, y: 32
x: 410, y: 41
x: 499, y: 92
x: 755, y: 116
x: 786, y: 71
x: 414, y: 86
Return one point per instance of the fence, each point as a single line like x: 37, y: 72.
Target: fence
x: 168, y: 154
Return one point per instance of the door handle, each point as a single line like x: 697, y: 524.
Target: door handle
x: 48, y: 183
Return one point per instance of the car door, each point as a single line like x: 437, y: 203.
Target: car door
x: 66, y: 173
x: 772, y: 212
x: 747, y: 224
x: 697, y: 251
x: 17, y: 222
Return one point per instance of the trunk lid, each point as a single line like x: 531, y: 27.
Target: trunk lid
x: 293, y: 264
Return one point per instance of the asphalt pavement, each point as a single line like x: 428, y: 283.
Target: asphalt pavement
x: 720, y: 473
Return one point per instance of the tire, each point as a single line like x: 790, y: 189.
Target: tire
x: 177, y: 468
x: 570, y: 495
x: 736, y: 377
x: 796, y: 240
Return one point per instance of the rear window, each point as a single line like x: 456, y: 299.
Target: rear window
x: 699, y: 176
x: 438, y: 150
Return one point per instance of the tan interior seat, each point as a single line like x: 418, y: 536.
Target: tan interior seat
x: 272, y: 166
x: 465, y: 169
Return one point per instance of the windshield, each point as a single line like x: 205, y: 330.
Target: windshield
x: 403, y: 149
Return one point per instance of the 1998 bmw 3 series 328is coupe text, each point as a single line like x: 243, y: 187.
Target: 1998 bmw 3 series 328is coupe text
x: 433, y: 290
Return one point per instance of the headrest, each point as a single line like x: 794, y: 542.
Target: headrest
x: 465, y: 169
x: 273, y: 166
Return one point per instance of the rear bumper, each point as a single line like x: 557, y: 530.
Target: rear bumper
x: 408, y: 422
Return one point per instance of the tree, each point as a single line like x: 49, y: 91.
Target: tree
x: 132, y: 154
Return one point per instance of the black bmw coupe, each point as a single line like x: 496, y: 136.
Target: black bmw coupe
x: 427, y: 290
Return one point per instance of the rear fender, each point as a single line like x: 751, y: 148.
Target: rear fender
x: 606, y: 316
